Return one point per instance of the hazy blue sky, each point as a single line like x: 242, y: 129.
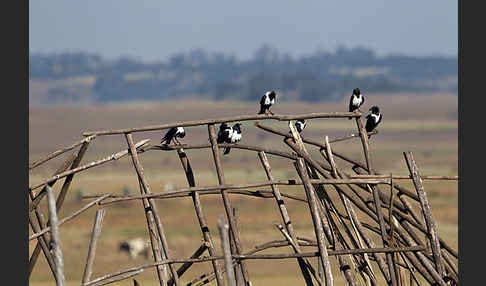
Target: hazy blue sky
x: 154, y: 30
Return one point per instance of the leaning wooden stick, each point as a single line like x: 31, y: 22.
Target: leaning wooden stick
x: 112, y: 157
x: 391, y: 219
x: 36, y: 199
x: 59, y: 152
x: 95, y: 234
x: 75, y: 160
x: 285, y: 216
x: 432, y: 231
x: 183, y: 268
x: 301, y: 260
x: 45, y: 248
x: 376, y: 196
x: 311, y: 197
x: 43, y: 241
x: 153, y: 221
x: 65, y: 186
x: 226, y: 201
x: 55, y: 240
x: 186, y: 165
x: 411, y: 211
x: 348, y: 207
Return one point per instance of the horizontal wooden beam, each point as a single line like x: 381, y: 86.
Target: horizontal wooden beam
x: 226, y: 119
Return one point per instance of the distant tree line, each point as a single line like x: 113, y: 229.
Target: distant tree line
x: 320, y: 76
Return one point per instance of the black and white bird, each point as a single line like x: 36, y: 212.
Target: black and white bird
x: 356, y: 100
x: 234, y: 137
x: 266, y: 101
x: 224, y: 133
x: 173, y: 134
x: 373, y: 119
x: 300, y: 125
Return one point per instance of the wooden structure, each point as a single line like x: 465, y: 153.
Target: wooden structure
x: 409, y: 251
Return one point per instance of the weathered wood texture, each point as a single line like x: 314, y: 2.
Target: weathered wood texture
x: 95, y: 234
x: 339, y: 228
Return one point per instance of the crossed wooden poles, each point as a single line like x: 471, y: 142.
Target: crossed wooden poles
x: 408, y: 242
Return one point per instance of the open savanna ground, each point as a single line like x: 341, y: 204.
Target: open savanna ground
x: 425, y: 125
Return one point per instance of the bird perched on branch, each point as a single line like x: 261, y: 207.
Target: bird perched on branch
x: 266, y: 101
x: 373, y: 119
x: 234, y: 137
x: 173, y: 134
x: 300, y: 125
x: 356, y: 100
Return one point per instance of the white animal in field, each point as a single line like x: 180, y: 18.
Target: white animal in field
x: 135, y: 247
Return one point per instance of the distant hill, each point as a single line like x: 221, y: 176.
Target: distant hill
x: 322, y: 76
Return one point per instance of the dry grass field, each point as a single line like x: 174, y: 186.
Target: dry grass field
x: 425, y: 125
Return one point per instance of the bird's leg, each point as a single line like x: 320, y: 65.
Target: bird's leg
x: 270, y: 112
x: 177, y: 141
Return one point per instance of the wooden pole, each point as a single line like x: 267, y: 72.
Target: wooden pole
x: 45, y: 249
x: 43, y: 241
x: 225, y: 245
x: 95, y: 234
x: 311, y: 198
x: 186, y: 165
x: 154, y: 223
x: 376, y: 197
x: 238, y: 273
x: 226, y: 202
x: 347, y: 206
x: 226, y: 119
x: 285, y: 217
x: 432, y: 231
x: 55, y: 240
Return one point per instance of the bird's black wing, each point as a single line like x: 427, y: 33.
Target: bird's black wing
x: 370, y: 124
x: 222, y: 136
x: 169, y: 135
x: 262, y: 100
x: 351, y: 103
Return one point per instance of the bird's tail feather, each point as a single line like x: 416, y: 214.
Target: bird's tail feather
x: 226, y: 150
x: 166, y: 139
x: 262, y: 110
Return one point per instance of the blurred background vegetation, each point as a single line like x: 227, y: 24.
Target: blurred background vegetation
x: 321, y: 76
